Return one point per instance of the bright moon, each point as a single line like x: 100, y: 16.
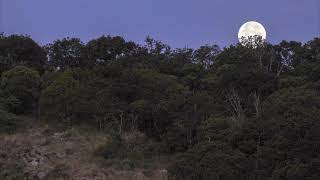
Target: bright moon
x: 251, y: 29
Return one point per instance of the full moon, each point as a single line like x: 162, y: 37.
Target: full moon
x: 251, y: 29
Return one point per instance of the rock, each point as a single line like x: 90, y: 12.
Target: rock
x: 34, y: 163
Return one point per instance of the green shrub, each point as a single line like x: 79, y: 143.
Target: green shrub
x: 21, y: 89
x: 133, y: 153
x: 8, y: 122
x: 211, y: 161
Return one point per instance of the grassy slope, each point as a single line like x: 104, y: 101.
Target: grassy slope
x: 51, y: 154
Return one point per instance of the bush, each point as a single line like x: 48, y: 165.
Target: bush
x: 20, y: 89
x: 8, y: 122
x: 210, y: 161
x: 133, y: 153
x: 58, y: 99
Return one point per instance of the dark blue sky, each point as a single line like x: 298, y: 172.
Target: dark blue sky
x: 179, y: 23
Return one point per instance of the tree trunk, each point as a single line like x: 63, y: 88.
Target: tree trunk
x: 257, y: 104
x: 258, y: 152
x: 237, y: 110
x: 121, y: 123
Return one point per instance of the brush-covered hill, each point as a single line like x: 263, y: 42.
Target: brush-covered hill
x: 111, y: 108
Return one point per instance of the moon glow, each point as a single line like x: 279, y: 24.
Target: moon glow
x: 251, y: 29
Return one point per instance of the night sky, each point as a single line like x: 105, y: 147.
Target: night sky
x: 180, y: 23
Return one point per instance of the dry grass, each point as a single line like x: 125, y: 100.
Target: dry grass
x: 49, y: 154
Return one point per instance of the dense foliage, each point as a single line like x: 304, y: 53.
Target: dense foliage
x: 239, y: 113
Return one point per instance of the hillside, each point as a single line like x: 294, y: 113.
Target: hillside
x: 43, y: 153
x: 111, y: 108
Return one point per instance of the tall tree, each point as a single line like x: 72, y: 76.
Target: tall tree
x: 106, y: 49
x: 21, y: 50
x: 206, y: 55
x: 65, y: 53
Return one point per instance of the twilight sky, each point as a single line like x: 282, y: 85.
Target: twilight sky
x: 180, y: 23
